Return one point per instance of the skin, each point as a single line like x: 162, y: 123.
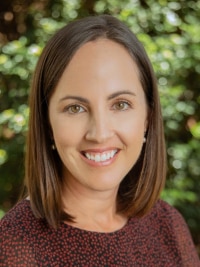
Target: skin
x: 97, y: 107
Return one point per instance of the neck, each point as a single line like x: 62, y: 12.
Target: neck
x: 93, y: 210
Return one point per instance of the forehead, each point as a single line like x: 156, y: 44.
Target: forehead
x: 101, y: 66
x: 102, y: 54
x: 98, y: 69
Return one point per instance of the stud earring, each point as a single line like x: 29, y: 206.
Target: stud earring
x: 53, y: 147
x: 144, y: 138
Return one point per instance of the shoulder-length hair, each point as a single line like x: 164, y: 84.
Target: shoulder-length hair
x: 141, y: 187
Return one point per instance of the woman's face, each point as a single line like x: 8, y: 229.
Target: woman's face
x: 98, y: 116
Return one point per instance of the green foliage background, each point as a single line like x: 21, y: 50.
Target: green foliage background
x: 170, y: 33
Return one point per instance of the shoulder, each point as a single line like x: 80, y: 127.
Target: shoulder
x: 15, y: 229
x: 20, y: 212
x: 174, y: 232
x: 166, y: 212
x: 19, y: 228
x: 19, y: 220
x: 20, y: 207
x: 162, y: 219
x: 169, y: 218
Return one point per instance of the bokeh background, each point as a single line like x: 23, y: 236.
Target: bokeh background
x: 170, y: 33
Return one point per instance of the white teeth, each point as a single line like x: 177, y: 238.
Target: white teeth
x: 101, y: 157
x: 97, y: 158
x: 112, y: 153
x: 88, y: 155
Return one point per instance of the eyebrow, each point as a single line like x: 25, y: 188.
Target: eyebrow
x: 85, y: 100
x: 123, y: 92
x: 79, y: 98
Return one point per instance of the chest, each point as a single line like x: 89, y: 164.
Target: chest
x: 126, y: 248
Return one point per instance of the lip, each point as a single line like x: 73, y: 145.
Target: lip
x: 100, y: 151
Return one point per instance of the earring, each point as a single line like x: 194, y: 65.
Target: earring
x: 53, y: 147
x: 144, y: 138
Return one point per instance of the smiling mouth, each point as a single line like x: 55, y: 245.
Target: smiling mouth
x: 101, y: 157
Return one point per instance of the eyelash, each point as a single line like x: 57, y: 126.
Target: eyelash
x: 114, y: 107
x: 124, y: 102
x: 70, y: 107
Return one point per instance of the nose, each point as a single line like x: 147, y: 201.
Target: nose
x: 99, y: 128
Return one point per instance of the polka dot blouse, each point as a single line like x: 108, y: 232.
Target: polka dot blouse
x: 159, y: 239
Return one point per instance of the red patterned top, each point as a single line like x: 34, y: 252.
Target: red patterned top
x: 159, y: 239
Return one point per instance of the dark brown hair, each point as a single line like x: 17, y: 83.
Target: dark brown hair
x: 141, y: 187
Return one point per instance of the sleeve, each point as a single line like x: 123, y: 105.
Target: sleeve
x: 184, y: 242
x: 14, y: 251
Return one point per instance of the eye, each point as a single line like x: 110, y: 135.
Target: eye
x: 121, y: 105
x: 74, y: 109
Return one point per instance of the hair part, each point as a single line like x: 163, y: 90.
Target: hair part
x: 141, y: 187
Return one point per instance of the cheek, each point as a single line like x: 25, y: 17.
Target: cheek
x: 133, y: 129
x: 65, y: 133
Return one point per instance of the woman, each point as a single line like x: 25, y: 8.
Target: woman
x: 95, y: 161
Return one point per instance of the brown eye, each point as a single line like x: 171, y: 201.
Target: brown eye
x: 73, y: 109
x: 121, y: 105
